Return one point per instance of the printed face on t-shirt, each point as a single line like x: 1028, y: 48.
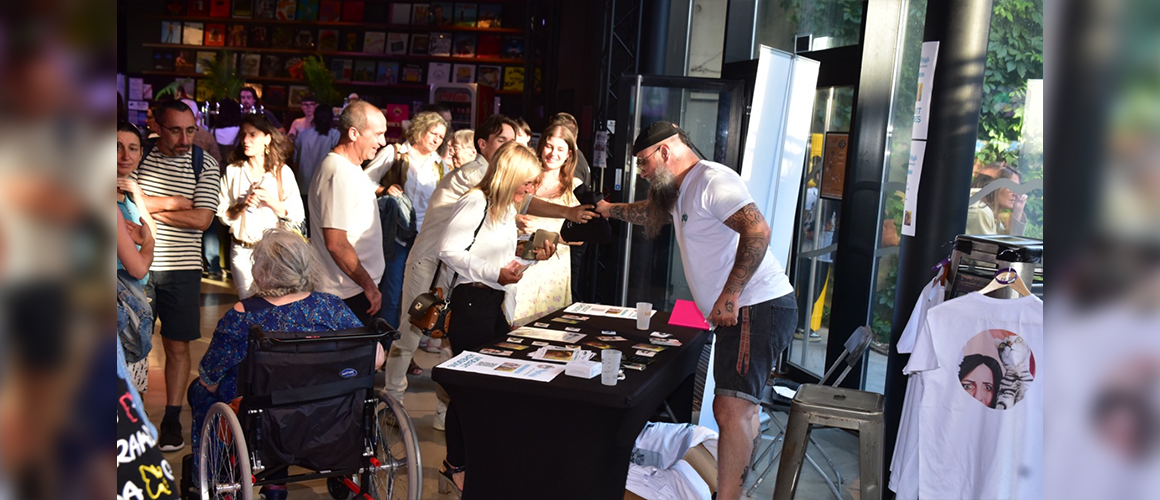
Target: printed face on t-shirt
x: 997, y: 369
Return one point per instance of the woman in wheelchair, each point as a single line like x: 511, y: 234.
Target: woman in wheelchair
x: 283, y: 299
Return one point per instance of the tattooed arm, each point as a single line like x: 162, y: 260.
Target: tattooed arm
x: 755, y: 233
x: 634, y: 213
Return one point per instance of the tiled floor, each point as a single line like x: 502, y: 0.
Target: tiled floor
x: 218, y: 297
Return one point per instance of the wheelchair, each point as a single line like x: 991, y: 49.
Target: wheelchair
x: 308, y: 400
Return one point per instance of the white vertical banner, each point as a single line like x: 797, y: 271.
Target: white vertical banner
x: 913, y: 177
x: 926, y: 67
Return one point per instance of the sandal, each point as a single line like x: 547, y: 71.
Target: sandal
x: 447, y: 481
x: 414, y: 369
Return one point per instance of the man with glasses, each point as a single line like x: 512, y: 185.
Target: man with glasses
x: 182, y: 196
x: 308, y: 106
x: 736, y: 282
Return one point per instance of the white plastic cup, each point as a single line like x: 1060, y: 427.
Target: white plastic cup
x: 609, y: 366
x: 643, y: 315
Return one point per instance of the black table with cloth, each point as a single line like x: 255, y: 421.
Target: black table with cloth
x: 570, y: 438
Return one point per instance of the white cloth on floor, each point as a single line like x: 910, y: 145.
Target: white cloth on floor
x: 680, y: 481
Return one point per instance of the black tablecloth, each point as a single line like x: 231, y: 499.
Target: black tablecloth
x: 571, y: 437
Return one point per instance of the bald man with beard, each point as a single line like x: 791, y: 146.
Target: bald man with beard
x: 737, y: 284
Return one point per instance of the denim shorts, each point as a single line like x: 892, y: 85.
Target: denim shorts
x: 745, y: 352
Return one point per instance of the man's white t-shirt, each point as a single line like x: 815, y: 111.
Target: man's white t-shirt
x: 342, y: 197
x: 965, y: 448
x: 710, y: 194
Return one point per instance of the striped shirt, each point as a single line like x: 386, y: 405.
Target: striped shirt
x: 178, y: 249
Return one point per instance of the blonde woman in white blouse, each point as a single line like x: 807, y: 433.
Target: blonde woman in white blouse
x: 258, y: 192
x: 480, y: 245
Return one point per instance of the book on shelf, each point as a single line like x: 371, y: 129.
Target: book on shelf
x: 330, y: 11
x: 341, y: 69
x: 364, y: 70
x: 440, y: 44
x: 328, y: 40
x: 463, y: 45
x: 465, y: 14
x: 412, y: 73
x: 492, y: 76
x: 251, y: 65
x: 441, y: 13
x: 197, y: 8
x: 265, y: 9
x: 202, y: 60
x: 513, y: 47
x: 353, y: 11
x: 219, y: 8
x: 420, y: 14
x: 395, y: 114
x: 388, y: 72
x: 171, y: 32
x: 400, y: 13
x: 215, y: 35
x: 419, y: 42
x: 259, y: 37
x: 350, y: 40
x: 183, y: 61
x: 463, y: 73
x: 175, y: 7
x: 201, y: 90
x: 304, y: 39
x: 162, y: 60
x: 236, y: 36
x: 490, y: 15
x: 192, y: 33
x: 282, y: 37
x: 295, y: 95
x: 293, y: 68
x: 307, y: 10
x: 271, y: 65
x: 397, y: 43
x: 489, y: 45
x: 243, y: 9
x: 275, y: 95
x: 374, y: 42
x: 513, y: 78
x: 287, y: 10
x: 438, y: 72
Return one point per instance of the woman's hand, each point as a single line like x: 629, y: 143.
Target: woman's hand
x: 509, y: 275
x: 545, y: 252
x: 210, y: 388
x: 1017, y: 208
x: 395, y: 190
x: 270, y: 199
x: 140, y: 233
x: 130, y: 187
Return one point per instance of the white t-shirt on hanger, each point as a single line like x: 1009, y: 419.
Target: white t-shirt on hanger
x: 977, y: 355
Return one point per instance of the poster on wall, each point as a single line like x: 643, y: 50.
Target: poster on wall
x: 913, y: 177
x: 834, y: 164
x: 926, y: 67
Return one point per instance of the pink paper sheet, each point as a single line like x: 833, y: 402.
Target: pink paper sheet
x: 685, y: 313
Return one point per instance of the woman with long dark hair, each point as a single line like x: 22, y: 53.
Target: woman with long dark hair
x: 258, y: 192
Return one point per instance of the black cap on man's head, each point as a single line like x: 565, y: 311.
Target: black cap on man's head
x: 653, y: 135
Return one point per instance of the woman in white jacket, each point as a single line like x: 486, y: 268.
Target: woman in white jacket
x: 258, y: 192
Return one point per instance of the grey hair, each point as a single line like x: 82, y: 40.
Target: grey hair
x: 283, y: 263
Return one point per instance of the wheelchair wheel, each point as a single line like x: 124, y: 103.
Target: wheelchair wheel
x: 396, y: 449
x: 223, y: 460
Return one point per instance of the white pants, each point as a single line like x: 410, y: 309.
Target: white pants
x: 242, y: 267
x: 416, y: 281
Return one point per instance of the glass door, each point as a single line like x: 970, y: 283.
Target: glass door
x: 710, y: 111
x: 820, y: 206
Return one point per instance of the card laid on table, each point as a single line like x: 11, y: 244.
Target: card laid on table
x: 540, y: 343
x: 541, y: 325
x: 495, y: 352
x: 611, y: 338
x: 598, y: 345
x: 649, y: 347
x: 575, y: 317
x: 509, y: 345
x: 573, y: 329
x: 515, y: 340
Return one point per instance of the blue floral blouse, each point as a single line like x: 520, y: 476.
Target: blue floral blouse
x: 318, y: 312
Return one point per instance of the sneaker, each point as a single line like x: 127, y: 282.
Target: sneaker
x: 814, y: 336
x: 170, y: 437
x: 440, y: 417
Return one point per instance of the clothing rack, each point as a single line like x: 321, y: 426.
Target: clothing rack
x: 976, y: 259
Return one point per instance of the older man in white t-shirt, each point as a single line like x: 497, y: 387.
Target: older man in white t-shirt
x: 344, y: 216
x: 736, y: 282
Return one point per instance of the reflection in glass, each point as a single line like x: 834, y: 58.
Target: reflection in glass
x: 830, y: 23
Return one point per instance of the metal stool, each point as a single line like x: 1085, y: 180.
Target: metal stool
x: 833, y: 407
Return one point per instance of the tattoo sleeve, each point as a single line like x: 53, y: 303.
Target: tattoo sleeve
x: 635, y: 213
x: 754, y: 231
